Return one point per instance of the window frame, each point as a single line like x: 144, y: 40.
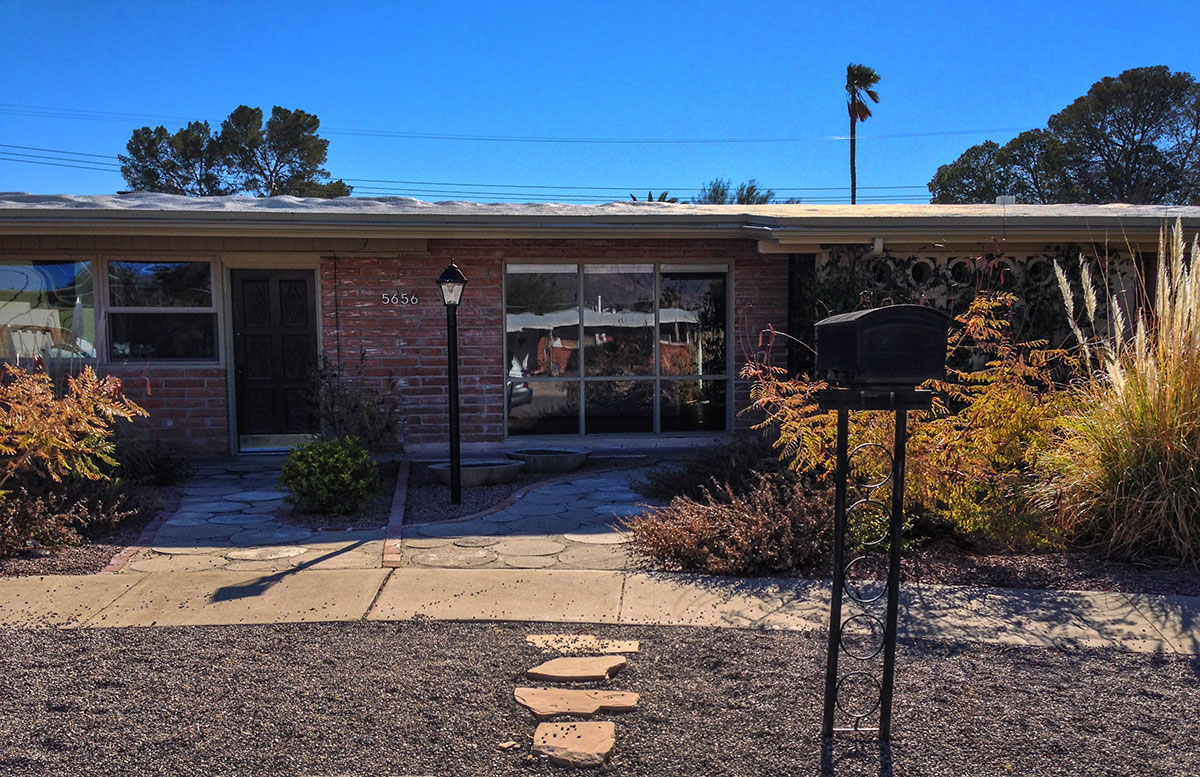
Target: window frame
x: 656, y: 378
x: 104, y: 308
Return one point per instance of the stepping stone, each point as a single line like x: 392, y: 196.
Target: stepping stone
x: 280, y: 535
x: 186, y: 505
x: 426, y: 543
x: 451, y: 557
x: 266, y: 554
x: 620, y: 510
x: 581, y: 643
x: 255, y: 496
x: 471, y: 542
x: 240, y: 518
x: 263, y: 507
x: 580, y: 669
x: 529, y: 562
x: 579, y: 745
x: 563, y: 489
x: 523, y: 508
x: 542, y: 524
x: 549, y: 702
x: 600, y: 538
x: 529, y: 547
x: 191, y: 535
x: 465, y: 529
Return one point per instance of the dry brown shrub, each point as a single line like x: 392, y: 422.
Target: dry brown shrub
x: 778, y: 525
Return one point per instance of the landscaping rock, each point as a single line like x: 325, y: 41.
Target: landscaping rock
x: 549, y: 702
x: 581, y: 643
x: 579, y: 745
x: 577, y: 669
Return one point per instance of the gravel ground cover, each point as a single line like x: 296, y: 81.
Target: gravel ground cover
x: 428, y: 500
x: 428, y: 698
x: 374, y: 515
x: 1076, y: 570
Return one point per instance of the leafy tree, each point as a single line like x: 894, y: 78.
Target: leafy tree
x: 282, y: 156
x: 1134, y: 138
x: 717, y: 192
x: 662, y: 197
x: 189, y: 162
x: 978, y: 175
x: 859, y: 82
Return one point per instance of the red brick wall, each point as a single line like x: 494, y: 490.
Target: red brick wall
x: 409, y: 341
x: 188, y: 406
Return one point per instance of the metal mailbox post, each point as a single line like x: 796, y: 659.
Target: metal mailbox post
x: 874, y: 360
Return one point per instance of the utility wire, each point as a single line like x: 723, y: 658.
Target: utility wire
x: 72, y: 113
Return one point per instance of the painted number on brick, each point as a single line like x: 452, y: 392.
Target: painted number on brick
x: 399, y: 299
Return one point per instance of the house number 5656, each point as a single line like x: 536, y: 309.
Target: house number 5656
x: 399, y: 299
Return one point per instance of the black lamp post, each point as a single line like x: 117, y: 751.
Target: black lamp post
x: 452, y: 282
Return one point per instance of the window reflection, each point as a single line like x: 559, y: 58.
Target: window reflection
x: 693, y: 406
x: 691, y: 328
x: 46, y: 310
x: 160, y: 284
x: 618, y: 319
x: 542, y: 320
x: 543, y: 407
x: 618, y: 406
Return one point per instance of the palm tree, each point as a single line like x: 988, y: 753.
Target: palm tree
x: 650, y: 197
x: 859, y: 80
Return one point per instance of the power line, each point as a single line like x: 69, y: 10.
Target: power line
x: 73, y: 113
x: 4, y: 158
x: 496, y: 189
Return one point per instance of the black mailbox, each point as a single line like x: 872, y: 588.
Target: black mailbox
x: 899, y: 345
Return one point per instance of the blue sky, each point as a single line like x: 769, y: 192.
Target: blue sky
x: 953, y: 74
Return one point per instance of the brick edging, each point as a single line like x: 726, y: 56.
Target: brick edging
x: 392, y: 538
x: 171, y: 500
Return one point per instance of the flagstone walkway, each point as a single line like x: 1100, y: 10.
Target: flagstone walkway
x: 228, y: 518
x: 566, y: 524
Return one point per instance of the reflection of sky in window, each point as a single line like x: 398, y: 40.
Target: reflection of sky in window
x: 45, y: 276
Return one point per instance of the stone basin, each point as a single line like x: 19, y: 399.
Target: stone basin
x: 488, y: 472
x: 550, y: 459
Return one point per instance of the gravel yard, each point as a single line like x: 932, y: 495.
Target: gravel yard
x: 429, y: 698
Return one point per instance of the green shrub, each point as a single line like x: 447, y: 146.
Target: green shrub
x: 777, y: 525
x: 331, y: 476
x: 1127, y: 474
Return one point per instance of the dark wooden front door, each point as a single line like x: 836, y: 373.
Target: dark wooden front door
x: 274, y: 352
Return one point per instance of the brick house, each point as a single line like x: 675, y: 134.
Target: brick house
x: 579, y: 323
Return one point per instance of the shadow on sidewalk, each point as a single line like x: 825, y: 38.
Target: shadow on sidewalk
x: 263, y: 584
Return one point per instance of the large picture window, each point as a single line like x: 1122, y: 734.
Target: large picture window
x: 47, y: 310
x: 616, y: 348
x: 161, y: 310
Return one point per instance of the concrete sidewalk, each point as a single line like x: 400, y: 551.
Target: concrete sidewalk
x: 1131, y: 622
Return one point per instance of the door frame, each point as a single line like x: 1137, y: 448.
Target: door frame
x: 259, y: 261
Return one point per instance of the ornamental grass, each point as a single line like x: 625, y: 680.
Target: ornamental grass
x: 1126, y: 474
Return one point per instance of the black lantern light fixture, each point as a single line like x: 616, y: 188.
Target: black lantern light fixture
x: 452, y: 282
